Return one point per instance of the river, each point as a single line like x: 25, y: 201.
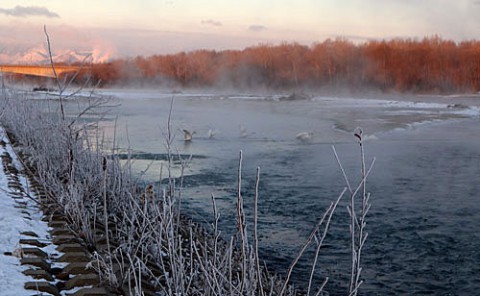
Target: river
x: 423, y: 226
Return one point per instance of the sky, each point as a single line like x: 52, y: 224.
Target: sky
x: 121, y: 28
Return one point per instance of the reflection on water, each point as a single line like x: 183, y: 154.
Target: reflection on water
x: 423, y: 226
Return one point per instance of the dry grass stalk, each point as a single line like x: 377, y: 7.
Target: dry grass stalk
x: 145, y: 235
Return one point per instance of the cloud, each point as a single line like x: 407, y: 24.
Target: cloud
x: 212, y: 23
x: 477, y: 2
x: 25, y: 11
x: 257, y: 28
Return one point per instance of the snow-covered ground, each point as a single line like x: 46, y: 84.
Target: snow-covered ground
x: 13, y: 222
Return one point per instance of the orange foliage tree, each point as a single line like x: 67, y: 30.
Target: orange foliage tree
x: 428, y: 65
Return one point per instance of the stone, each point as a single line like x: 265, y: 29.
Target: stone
x: 60, y: 231
x: 38, y: 274
x: 64, y: 239
x: 16, y: 195
x: 42, y: 287
x: 82, y: 280
x: 90, y: 292
x: 63, y: 276
x: 56, y: 270
x: 34, y: 261
x: 73, y: 247
x: 15, y: 185
x: 78, y: 268
x: 57, y: 223
x: 32, y: 242
x: 25, y: 212
x: 20, y: 206
x: 29, y: 233
x: 60, y: 285
x: 74, y: 257
x: 36, y: 252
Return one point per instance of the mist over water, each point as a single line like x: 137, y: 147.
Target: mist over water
x: 423, y: 227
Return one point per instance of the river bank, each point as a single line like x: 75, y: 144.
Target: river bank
x: 15, y: 222
x: 39, y: 251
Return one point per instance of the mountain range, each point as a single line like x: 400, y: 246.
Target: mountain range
x: 39, y: 56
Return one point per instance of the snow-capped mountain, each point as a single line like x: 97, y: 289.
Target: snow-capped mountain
x: 39, y: 55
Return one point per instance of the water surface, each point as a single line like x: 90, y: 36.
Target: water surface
x: 423, y: 225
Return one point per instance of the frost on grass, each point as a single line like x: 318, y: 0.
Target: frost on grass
x: 145, y: 242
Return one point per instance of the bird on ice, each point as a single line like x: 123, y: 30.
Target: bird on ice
x: 187, y: 135
x: 304, y: 136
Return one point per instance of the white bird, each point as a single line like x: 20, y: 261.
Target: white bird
x: 243, y: 131
x: 211, y: 133
x: 304, y: 136
x: 187, y: 135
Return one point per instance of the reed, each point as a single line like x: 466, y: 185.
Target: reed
x: 145, y: 242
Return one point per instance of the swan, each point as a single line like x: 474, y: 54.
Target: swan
x: 304, y: 136
x: 243, y: 131
x: 187, y: 135
x: 211, y: 133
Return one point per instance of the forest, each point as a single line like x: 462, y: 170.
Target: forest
x: 428, y: 65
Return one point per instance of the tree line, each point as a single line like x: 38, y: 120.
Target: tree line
x: 408, y: 65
